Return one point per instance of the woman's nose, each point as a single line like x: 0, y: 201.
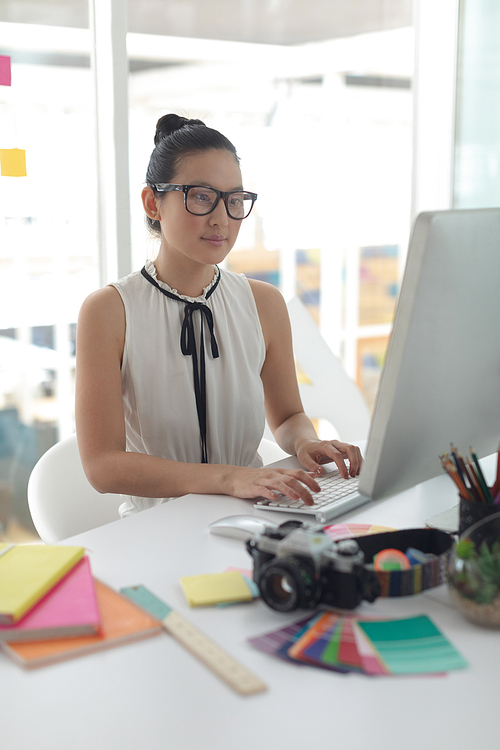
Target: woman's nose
x: 219, y: 215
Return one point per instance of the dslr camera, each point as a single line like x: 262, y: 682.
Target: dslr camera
x: 298, y: 566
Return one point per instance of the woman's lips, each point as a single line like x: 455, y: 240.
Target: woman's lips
x: 215, y: 239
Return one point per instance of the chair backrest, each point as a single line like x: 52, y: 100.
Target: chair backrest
x: 270, y: 451
x: 331, y: 394
x: 62, y: 503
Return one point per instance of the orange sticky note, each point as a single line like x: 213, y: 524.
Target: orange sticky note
x: 5, y: 75
x: 13, y: 162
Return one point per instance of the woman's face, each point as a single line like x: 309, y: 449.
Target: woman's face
x: 201, y: 239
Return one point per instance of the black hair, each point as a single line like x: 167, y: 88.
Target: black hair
x: 175, y: 138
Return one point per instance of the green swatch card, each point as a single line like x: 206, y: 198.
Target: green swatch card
x: 412, y: 645
x: 330, y: 655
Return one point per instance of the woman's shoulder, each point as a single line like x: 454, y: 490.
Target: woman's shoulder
x: 105, y: 297
x: 103, y: 307
x: 272, y: 310
x: 266, y: 295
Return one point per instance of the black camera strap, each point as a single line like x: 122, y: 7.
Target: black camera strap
x: 417, y: 578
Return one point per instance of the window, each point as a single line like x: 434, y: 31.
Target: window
x: 325, y: 111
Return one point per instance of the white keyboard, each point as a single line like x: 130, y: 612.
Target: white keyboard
x: 337, y: 496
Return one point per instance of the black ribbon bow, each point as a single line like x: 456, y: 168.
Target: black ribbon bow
x: 188, y: 348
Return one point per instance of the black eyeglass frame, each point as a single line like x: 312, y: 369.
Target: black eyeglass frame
x: 170, y: 187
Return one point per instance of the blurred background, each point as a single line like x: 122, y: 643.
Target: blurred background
x: 349, y: 118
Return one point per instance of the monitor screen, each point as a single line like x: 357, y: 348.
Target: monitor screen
x: 441, y: 378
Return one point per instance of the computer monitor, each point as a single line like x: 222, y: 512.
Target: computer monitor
x: 441, y: 378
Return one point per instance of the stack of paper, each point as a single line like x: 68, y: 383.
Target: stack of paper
x: 412, y: 645
x: 70, y: 608
x: 51, y: 607
x: 28, y: 572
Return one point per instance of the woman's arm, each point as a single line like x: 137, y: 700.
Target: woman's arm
x: 285, y: 415
x: 101, y: 426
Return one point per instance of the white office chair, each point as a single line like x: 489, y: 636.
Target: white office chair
x: 270, y: 451
x: 331, y: 394
x: 62, y: 503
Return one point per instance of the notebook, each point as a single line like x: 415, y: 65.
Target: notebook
x: 28, y: 572
x: 68, y: 610
x: 121, y: 622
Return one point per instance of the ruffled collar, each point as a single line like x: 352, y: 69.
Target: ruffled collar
x: 151, y: 269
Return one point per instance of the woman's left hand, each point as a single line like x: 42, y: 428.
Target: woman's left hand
x: 313, y: 453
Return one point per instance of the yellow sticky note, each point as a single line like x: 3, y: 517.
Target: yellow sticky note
x: 214, y: 588
x: 13, y: 162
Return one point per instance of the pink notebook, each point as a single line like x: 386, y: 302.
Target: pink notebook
x: 122, y: 622
x: 69, y: 609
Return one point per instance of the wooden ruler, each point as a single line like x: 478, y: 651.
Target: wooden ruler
x: 225, y: 666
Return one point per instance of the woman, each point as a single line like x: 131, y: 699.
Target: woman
x: 178, y: 365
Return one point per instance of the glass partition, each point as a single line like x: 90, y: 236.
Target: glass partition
x: 320, y: 109
x: 477, y: 137
x: 48, y: 258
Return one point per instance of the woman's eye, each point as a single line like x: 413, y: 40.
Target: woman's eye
x: 203, y: 197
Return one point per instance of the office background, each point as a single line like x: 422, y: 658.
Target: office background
x: 350, y: 118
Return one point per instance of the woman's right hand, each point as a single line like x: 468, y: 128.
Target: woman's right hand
x: 270, y: 483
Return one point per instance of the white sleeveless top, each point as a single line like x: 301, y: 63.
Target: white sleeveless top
x: 159, y: 401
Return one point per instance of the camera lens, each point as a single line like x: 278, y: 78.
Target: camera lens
x: 289, y: 584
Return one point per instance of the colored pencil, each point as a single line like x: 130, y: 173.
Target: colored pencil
x: 469, y: 478
x: 486, y: 490
x: 452, y: 471
x: 474, y: 479
x: 496, y: 487
x: 453, y: 451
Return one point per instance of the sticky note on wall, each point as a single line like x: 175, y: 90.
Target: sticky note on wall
x: 5, y: 74
x: 12, y: 162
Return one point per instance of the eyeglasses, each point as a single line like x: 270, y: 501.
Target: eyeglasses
x: 200, y: 200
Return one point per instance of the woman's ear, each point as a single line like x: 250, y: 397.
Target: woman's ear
x: 149, y: 203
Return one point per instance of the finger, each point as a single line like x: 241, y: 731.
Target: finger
x: 350, y: 452
x: 293, y: 483
x: 266, y: 492
x: 331, y: 452
x: 341, y: 465
x: 297, y: 489
x: 359, y: 462
x: 308, y: 478
x: 353, y: 454
x: 309, y: 462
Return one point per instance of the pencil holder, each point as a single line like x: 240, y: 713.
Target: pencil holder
x: 472, y: 511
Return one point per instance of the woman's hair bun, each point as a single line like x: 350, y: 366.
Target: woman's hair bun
x: 168, y: 124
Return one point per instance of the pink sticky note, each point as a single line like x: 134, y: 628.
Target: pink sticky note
x: 5, y: 76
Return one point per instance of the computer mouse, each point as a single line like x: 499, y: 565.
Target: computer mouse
x: 240, y: 527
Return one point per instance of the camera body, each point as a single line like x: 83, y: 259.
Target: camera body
x: 298, y: 566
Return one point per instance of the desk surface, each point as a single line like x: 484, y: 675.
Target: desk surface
x: 154, y: 695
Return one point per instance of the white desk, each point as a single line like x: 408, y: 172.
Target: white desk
x: 153, y: 695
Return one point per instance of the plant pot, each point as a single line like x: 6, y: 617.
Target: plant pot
x: 474, y: 572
